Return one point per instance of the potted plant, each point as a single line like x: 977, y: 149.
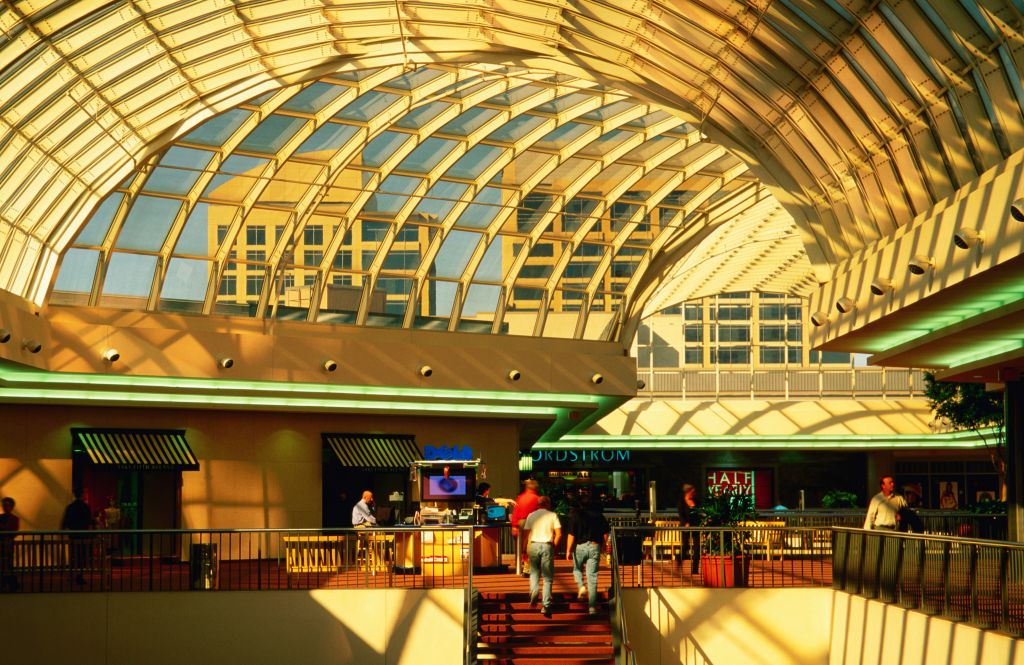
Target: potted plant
x: 723, y: 562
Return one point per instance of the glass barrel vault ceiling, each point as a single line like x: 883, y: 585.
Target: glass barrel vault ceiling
x: 475, y: 198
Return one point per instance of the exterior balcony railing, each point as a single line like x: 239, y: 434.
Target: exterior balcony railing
x: 800, y: 383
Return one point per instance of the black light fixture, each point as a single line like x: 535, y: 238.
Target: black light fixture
x: 1017, y: 210
x: 329, y: 365
x: 514, y: 375
x: 819, y: 318
x: 426, y: 371
x: 597, y: 378
x: 5, y: 335
x: 111, y: 355
x: 881, y: 286
x: 226, y: 362
x: 845, y: 305
x: 920, y: 264
x: 967, y: 238
x: 32, y: 345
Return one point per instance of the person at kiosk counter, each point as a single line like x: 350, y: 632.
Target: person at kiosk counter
x: 543, y: 530
x: 363, y: 512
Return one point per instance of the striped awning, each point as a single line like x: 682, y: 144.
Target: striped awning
x: 373, y: 451
x: 135, y: 449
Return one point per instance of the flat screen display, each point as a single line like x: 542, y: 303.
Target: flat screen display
x: 454, y: 487
x: 496, y: 513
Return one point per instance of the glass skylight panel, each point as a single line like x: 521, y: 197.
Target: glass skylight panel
x: 649, y: 119
x: 515, y: 95
x: 485, y: 207
x: 99, y: 223
x: 178, y: 171
x: 474, y: 162
x: 611, y: 177
x: 531, y: 210
x: 427, y: 155
x: 414, y: 79
x: 271, y: 134
x: 198, y: 237
x: 421, y: 115
x: 439, y: 201
x: 129, y: 275
x: 356, y: 74
x: 382, y: 147
x: 291, y: 183
x: 607, y: 142
x: 468, y: 121
x: 560, y: 104
x: 186, y: 280
x: 217, y: 130
x: 367, y: 106
x: 439, y: 296
x: 147, y: 223
x: 649, y: 148
x: 481, y: 299
x: 464, y: 89
x: 522, y: 168
x: 516, y: 128
x: 258, y: 101
x: 455, y: 252
x: 77, y: 270
x: 326, y: 140
x: 491, y: 268
x: 392, y: 194
x: 576, y: 212
x: 562, y: 136
x: 230, y: 184
x: 567, y: 173
x: 609, y: 111
x: 314, y: 98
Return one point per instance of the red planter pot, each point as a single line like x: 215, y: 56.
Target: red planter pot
x: 724, y: 571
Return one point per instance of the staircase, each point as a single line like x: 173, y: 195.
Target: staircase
x: 513, y: 633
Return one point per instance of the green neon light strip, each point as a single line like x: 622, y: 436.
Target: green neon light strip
x: 947, y: 440
x: 15, y: 375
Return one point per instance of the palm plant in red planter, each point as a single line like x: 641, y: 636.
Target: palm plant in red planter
x: 723, y: 561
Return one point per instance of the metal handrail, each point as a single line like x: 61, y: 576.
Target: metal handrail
x: 628, y: 655
x: 757, y: 382
x: 969, y: 580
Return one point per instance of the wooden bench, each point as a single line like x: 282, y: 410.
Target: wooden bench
x: 315, y: 554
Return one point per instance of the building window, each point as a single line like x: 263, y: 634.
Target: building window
x: 733, y: 312
x: 773, y: 312
x: 665, y: 356
x: 693, y: 334
x: 288, y: 281
x: 694, y: 356
x: 731, y: 355
x: 312, y: 257
x: 342, y: 280
x: 308, y: 280
x: 830, y: 357
x: 795, y: 354
x: 794, y: 333
x: 343, y: 260
x: 313, y: 235
x: 257, y: 255
x: 256, y: 235
x: 772, y: 333
x: 772, y: 355
x: 228, y: 285
x: 222, y: 232
x: 253, y: 285
x: 733, y: 333
x: 693, y: 313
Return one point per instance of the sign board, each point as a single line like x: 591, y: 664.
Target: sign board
x: 756, y: 483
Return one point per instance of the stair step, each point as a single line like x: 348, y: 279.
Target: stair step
x: 512, y: 605
x: 551, y: 651
x: 546, y: 626
x: 525, y: 595
x: 566, y: 638
x: 535, y: 615
x: 537, y: 660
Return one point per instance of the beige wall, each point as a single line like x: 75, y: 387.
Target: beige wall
x: 867, y: 631
x: 729, y: 626
x: 799, y: 626
x: 256, y: 469
x: 363, y: 627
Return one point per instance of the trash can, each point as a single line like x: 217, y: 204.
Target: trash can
x: 203, y: 566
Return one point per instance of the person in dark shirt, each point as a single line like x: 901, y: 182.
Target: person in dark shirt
x: 9, y: 523
x: 588, y: 531
x: 78, y: 517
x: 689, y: 516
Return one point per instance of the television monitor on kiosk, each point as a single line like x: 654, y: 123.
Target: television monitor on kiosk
x: 456, y: 485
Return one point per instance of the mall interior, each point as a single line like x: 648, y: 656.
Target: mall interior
x: 256, y: 256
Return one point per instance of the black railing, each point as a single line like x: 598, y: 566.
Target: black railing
x: 620, y: 632
x: 974, y: 581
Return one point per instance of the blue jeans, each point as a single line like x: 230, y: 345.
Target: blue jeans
x: 587, y: 557
x: 542, y: 561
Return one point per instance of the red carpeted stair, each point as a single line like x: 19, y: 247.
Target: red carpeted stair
x: 511, y: 632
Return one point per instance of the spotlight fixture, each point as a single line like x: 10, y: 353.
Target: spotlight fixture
x: 819, y: 318
x: 226, y: 363
x: 330, y: 365
x: 967, y: 238
x: 845, y: 305
x: 111, y: 355
x: 514, y: 375
x: 1017, y: 210
x: 640, y: 384
x: 920, y: 264
x: 597, y: 378
x: 32, y: 346
x: 5, y: 335
x: 426, y: 370
x: 881, y: 286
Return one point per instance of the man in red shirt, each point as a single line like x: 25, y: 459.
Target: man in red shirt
x: 526, y: 503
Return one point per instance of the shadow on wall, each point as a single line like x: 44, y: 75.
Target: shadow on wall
x: 361, y: 627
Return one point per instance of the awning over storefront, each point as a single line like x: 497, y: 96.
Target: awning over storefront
x: 135, y: 449
x: 373, y: 451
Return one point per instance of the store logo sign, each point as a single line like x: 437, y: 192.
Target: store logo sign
x: 582, y: 456
x: 447, y: 453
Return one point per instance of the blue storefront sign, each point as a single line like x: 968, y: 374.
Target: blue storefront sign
x: 447, y: 452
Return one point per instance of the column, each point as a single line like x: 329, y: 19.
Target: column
x: 1013, y: 402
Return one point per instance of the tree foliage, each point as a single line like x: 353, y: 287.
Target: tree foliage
x: 964, y: 405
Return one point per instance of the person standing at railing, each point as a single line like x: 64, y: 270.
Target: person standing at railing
x: 543, y: 530
x: 689, y: 516
x: 9, y: 523
x: 885, y: 507
x: 588, y: 531
x: 526, y: 503
x: 78, y: 517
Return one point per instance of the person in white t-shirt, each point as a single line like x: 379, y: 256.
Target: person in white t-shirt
x: 543, y: 531
x: 884, y: 509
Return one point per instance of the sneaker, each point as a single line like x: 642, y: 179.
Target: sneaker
x: 592, y: 611
x: 546, y: 611
x: 533, y: 599
x: 582, y: 592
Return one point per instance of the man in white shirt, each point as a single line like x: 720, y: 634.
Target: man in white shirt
x: 363, y: 512
x: 543, y: 531
x: 884, y: 509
